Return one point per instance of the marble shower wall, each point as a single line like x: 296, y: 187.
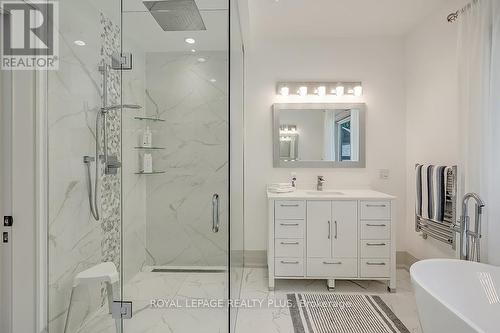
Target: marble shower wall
x: 76, y: 240
x: 191, y: 95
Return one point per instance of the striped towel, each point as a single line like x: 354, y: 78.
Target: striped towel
x: 431, y: 183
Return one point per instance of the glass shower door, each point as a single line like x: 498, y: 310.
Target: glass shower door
x: 175, y: 173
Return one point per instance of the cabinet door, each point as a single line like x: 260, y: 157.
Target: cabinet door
x: 345, y: 229
x: 319, y: 229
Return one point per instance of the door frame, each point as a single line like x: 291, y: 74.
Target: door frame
x: 24, y: 196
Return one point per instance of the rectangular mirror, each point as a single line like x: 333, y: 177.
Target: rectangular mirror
x: 315, y: 135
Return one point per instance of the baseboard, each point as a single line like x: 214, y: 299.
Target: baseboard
x: 258, y: 259
x: 255, y: 259
x: 404, y: 260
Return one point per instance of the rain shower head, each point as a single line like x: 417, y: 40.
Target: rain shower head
x: 176, y: 15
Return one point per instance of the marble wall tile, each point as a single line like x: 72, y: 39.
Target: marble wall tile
x: 192, y: 97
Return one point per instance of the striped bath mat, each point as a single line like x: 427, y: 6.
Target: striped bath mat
x: 342, y: 313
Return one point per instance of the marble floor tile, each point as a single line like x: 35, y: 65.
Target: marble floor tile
x: 270, y: 316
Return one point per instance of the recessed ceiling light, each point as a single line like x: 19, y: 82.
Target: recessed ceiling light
x: 213, y: 80
x: 190, y: 40
x: 202, y: 59
x: 193, y: 50
x: 80, y: 43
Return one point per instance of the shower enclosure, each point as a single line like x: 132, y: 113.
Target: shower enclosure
x: 124, y: 237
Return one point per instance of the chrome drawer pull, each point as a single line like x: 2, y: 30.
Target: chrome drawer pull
x: 289, y: 205
x: 290, y: 243
x: 289, y: 224
x: 375, y: 225
x: 375, y: 244
x: 332, y: 263
x: 289, y: 262
x: 376, y: 263
x: 382, y: 206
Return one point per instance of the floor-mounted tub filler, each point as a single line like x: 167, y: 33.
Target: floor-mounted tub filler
x: 457, y: 296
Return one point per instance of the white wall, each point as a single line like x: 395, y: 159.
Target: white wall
x: 378, y: 63
x: 432, y: 112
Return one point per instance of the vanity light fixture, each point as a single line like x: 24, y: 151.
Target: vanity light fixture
x: 189, y: 40
x: 319, y: 89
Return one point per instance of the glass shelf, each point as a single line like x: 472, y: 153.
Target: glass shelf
x: 149, y: 148
x: 149, y: 118
x: 149, y: 173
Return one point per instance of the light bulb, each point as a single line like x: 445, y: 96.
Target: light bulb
x: 321, y: 91
x: 358, y: 91
x: 339, y: 90
x: 303, y: 91
x: 190, y: 40
x: 284, y: 91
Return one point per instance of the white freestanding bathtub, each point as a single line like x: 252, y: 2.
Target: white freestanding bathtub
x: 457, y: 296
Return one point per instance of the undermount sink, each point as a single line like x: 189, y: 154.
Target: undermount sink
x: 325, y: 193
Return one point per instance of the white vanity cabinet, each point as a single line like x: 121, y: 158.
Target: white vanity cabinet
x: 332, y: 238
x: 347, y: 236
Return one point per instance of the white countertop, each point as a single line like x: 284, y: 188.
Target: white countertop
x: 301, y: 194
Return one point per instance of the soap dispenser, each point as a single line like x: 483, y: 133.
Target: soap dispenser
x: 147, y: 163
x: 147, y: 138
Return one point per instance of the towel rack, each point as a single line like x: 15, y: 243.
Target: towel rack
x: 442, y: 231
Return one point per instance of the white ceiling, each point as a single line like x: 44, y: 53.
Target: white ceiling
x: 315, y: 19
x: 140, y: 28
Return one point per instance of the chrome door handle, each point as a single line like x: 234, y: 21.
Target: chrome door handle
x: 376, y: 263
x: 329, y: 230
x: 289, y: 262
x: 215, y: 213
x: 371, y: 205
x: 332, y: 263
x: 375, y: 225
x: 289, y: 205
x: 289, y: 224
x: 290, y: 243
x: 335, y: 230
x: 375, y: 244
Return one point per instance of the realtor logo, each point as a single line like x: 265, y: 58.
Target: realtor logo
x: 29, y: 35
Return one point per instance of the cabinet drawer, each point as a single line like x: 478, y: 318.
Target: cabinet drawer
x: 289, y: 266
x: 289, y: 228
x: 332, y: 267
x: 289, y: 247
x: 375, y: 268
x: 375, y: 249
x: 375, y: 230
x: 375, y: 209
x: 289, y: 209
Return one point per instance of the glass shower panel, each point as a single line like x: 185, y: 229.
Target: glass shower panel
x: 175, y: 174
x: 84, y: 207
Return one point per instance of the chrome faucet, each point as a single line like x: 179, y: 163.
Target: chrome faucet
x: 470, y: 238
x: 319, y: 184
